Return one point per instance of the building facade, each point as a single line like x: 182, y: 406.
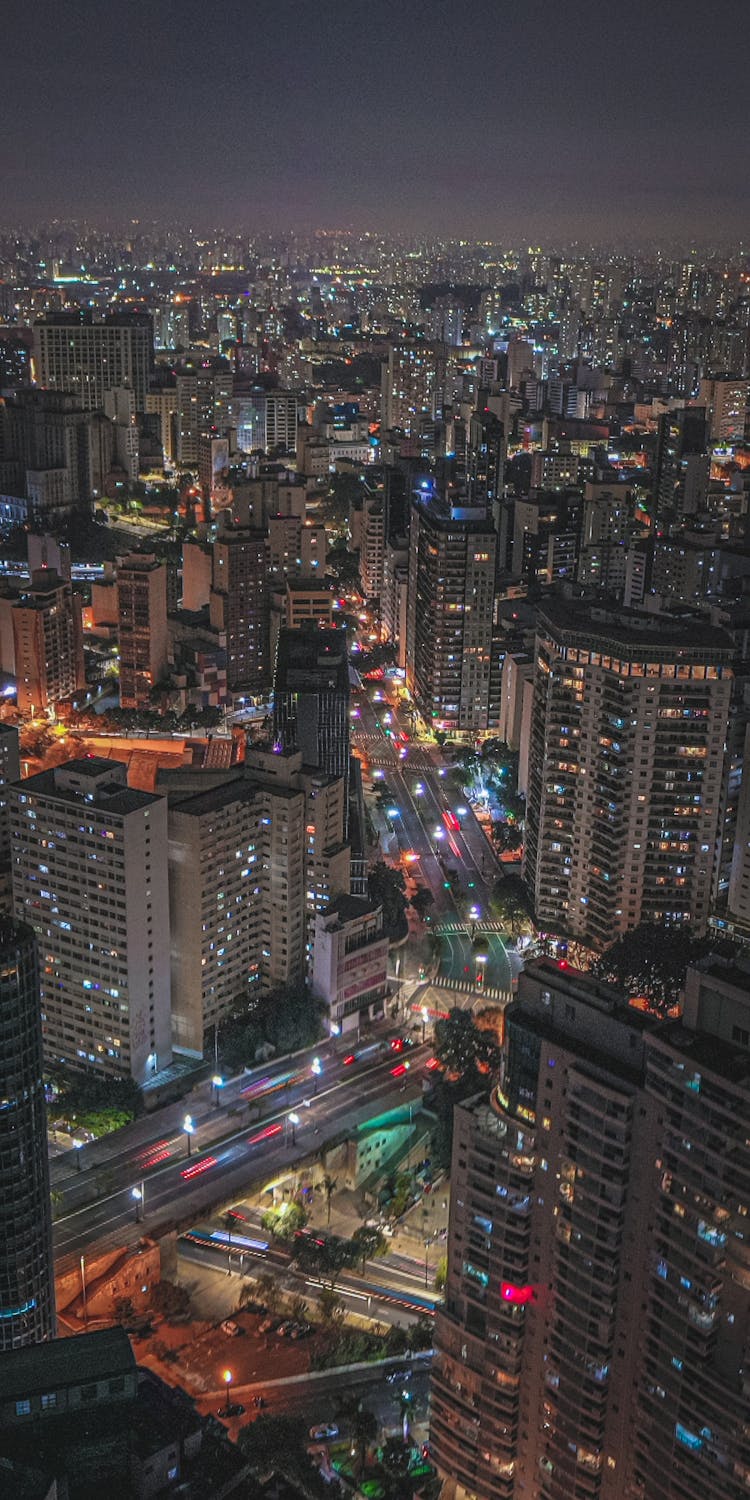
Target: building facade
x: 27, y: 1283
x: 450, y: 605
x: 87, y: 354
x: 593, y: 1341
x: 142, y: 627
x: 89, y: 872
x: 629, y: 720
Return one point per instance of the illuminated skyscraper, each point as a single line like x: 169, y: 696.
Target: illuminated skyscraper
x: 142, y: 627
x: 27, y: 1288
x: 450, y: 603
x: 87, y: 354
x: 628, y: 726
x: 594, y: 1339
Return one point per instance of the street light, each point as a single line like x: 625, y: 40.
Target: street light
x: 77, y: 1145
x: 218, y: 1084
x: 188, y: 1128
x: 425, y: 1019
x: 139, y: 1194
x: 293, y: 1120
x: 228, y: 1383
x: 316, y: 1068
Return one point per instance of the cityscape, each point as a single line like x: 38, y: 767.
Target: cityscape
x: 374, y: 755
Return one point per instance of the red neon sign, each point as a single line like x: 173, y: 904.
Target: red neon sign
x: 519, y: 1295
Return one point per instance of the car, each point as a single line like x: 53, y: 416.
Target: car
x: 451, y: 821
x: 397, y: 1377
x: 300, y: 1331
x: 324, y: 1432
x: 230, y: 1328
x: 266, y: 1325
x: 285, y: 1328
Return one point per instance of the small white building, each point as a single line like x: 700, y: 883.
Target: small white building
x: 350, y: 963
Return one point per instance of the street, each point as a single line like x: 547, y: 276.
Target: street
x: 226, y: 1159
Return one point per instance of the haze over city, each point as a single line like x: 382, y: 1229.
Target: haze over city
x: 374, y: 751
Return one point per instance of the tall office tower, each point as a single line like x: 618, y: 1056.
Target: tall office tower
x: 629, y: 719
x: 89, y: 859
x: 413, y: 383
x: 142, y: 627
x: 27, y: 1284
x: 47, y: 552
x: 593, y: 1341
x: 87, y: 354
x: 450, y: 607
x: 485, y: 461
x: 726, y: 404
x: 48, y: 643
x: 311, y: 698
x: 681, y: 469
x: 239, y: 606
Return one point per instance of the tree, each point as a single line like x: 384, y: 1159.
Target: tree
x: 364, y: 1427
x: 279, y: 1444
x: 421, y: 1335
x: 329, y: 1185
x: 326, y: 1260
x: 330, y: 1308
x: 507, y: 837
x: 651, y: 961
x: 441, y: 1273
x: 298, y: 1309
x: 268, y: 1292
x: 387, y: 887
x: 462, y: 1047
x: 395, y: 1457
x: 422, y: 900
x: 171, y: 1300
x: 511, y: 905
x: 370, y: 1242
x: 285, y: 1221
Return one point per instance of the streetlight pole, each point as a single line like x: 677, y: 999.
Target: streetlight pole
x: 83, y: 1292
x: 188, y: 1128
x: 218, y: 1083
x: 293, y: 1120
x: 228, y: 1384
x: 139, y: 1194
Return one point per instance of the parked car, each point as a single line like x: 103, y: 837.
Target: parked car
x: 267, y: 1324
x: 300, y: 1330
x: 230, y: 1328
x: 397, y: 1377
x: 324, y: 1433
x: 284, y: 1329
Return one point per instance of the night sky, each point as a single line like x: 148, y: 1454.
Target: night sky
x: 481, y: 117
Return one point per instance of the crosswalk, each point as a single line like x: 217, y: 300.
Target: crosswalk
x: 465, y: 987
x: 444, y: 929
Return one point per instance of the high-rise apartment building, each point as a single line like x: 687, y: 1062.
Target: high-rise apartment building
x: 682, y: 467
x: 372, y: 548
x: 350, y: 965
x: 203, y: 394
x: 142, y: 627
x: 10, y: 770
x: 51, y: 444
x: 726, y: 402
x: 87, y: 354
x: 47, y: 643
x: 413, y: 384
x: 593, y: 1341
x: 629, y: 719
x: 253, y: 860
x: 450, y: 604
x: 240, y: 605
x: 89, y: 870
x: 27, y: 1284
x: 215, y: 878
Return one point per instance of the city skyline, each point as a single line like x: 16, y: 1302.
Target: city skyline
x: 500, y: 123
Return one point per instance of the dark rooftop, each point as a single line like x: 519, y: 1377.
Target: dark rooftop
x: 86, y: 1356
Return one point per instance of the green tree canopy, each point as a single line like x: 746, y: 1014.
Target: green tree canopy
x: 651, y: 961
x: 464, y: 1048
x: 387, y: 886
